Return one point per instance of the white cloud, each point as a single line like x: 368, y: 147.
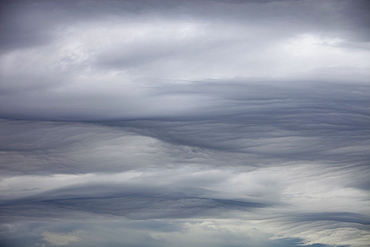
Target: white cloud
x: 59, y: 239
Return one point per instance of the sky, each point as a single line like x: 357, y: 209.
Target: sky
x: 210, y: 123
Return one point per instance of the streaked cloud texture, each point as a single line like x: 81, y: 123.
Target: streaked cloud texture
x: 185, y: 123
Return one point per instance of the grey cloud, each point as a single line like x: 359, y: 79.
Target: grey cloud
x: 336, y: 216
x: 358, y: 13
x: 152, y: 205
x: 273, y: 121
x: 32, y: 29
x: 26, y: 24
x: 99, y: 233
x: 48, y: 147
x: 127, y: 201
x: 184, y: 123
x: 30, y: 91
x: 246, y: 125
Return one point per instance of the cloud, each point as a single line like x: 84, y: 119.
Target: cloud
x: 302, y: 202
x: 59, y: 239
x: 184, y: 123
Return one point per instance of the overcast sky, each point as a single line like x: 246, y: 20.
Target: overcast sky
x: 210, y: 123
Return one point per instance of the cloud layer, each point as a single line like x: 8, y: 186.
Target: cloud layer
x: 184, y: 123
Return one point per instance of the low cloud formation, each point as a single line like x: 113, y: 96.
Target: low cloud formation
x: 184, y: 123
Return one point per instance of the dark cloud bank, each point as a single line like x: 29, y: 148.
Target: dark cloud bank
x: 184, y: 123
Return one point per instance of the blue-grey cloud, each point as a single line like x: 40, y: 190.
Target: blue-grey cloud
x: 131, y: 203
x: 184, y: 123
